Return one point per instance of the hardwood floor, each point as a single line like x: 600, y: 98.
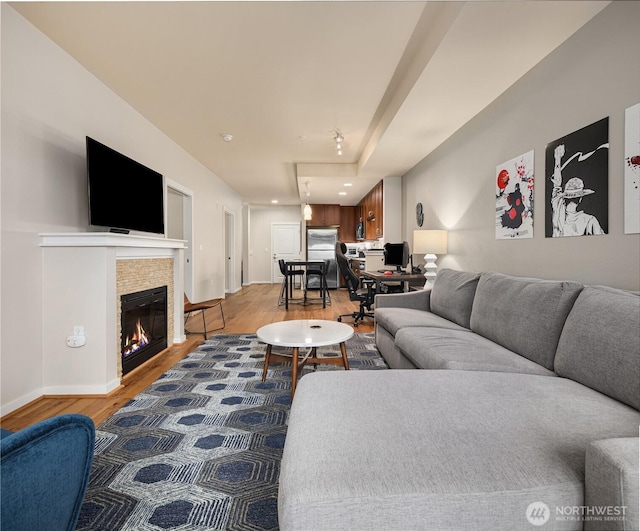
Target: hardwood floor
x: 245, y: 312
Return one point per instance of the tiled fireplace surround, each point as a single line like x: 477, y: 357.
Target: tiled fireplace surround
x: 138, y: 275
x: 84, y: 275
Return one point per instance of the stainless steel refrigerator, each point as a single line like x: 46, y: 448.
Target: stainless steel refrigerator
x: 321, y: 245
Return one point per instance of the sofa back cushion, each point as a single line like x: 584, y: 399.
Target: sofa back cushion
x: 525, y: 315
x: 452, y: 295
x: 600, y: 343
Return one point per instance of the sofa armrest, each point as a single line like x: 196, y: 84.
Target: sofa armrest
x: 611, y: 484
x: 415, y: 300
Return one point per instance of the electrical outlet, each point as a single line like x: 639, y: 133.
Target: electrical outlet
x: 78, y: 330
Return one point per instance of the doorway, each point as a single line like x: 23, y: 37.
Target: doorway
x: 180, y: 226
x: 229, y: 246
x: 285, y: 244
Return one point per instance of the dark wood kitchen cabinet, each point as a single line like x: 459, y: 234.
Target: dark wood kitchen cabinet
x: 371, y: 208
x: 347, y: 230
x: 324, y: 216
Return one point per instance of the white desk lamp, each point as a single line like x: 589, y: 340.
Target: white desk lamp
x: 432, y: 243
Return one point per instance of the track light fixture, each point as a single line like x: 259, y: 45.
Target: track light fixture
x: 339, y: 138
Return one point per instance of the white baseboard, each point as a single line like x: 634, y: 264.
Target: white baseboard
x: 235, y: 290
x: 59, y: 390
x: 82, y: 389
x: 22, y: 401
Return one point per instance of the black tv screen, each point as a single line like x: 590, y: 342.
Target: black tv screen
x: 124, y: 195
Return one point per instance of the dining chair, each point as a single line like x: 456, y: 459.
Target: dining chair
x: 286, y: 281
x: 321, y: 272
x: 190, y: 307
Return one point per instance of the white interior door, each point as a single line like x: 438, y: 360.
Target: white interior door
x: 285, y: 244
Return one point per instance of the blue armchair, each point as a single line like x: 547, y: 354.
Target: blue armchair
x: 44, y: 473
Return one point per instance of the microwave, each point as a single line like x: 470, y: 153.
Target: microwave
x: 352, y: 250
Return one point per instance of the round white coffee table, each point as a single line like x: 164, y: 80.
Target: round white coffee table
x: 304, y: 333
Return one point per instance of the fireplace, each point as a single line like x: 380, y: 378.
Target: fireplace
x: 144, y: 326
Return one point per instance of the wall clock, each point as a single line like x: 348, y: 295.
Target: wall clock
x: 419, y: 215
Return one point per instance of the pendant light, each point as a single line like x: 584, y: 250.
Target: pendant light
x: 307, y: 208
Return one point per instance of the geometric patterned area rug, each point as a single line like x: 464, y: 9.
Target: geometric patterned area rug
x: 200, y: 448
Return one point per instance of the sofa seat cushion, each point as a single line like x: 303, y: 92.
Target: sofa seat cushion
x: 393, y: 319
x: 407, y: 449
x: 440, y: 348
x: 524, y: 315
x: 392, y: 355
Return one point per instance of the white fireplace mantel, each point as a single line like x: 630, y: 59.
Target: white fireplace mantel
x: 79, y: 289
x: 124, y: 243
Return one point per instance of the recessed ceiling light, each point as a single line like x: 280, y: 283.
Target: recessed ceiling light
x: 342, y: 193
x: 274, y: 201
x: 227, y: 137
x: 348, y: 184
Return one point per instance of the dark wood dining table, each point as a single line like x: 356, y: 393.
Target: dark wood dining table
x: 306, y: 264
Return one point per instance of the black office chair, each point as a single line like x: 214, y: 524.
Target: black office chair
x: 287, y: 281
x: 365, y: 295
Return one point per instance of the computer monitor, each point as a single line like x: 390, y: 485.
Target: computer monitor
x: 397, y: 254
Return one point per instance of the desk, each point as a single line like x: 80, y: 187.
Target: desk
x: 296, y: 264
x: 394, y: 277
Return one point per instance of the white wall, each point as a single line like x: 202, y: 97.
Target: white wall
x: 391, y: 209
x: 586, y: 79
x: 49, y: 104
x: 75, y: 293
x: 259, y: 261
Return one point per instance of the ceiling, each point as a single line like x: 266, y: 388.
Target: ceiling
x: 395, y: 78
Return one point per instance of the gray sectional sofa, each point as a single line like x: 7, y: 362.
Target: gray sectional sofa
x: 525, y: 414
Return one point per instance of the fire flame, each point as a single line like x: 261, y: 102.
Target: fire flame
x: 136, y: 341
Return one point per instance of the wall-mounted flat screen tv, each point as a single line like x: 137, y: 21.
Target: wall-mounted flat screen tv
x: 124, y: 195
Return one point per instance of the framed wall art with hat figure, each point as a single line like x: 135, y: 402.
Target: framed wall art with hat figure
x: 577, y: 187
